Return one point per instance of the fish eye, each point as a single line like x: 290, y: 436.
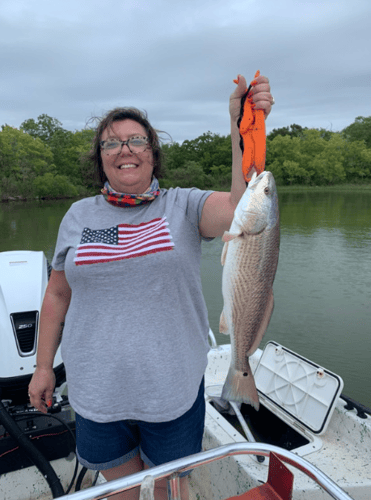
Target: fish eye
x: 266, y: 190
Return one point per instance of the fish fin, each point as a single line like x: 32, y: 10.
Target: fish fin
x: 223, y: 327
x: 255, y: 224
x: 224, y: 252
x: 240, y: 387
x: 227, y: 236
x: 264, y: 324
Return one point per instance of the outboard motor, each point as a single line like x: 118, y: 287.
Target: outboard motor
x: 28, y: 437
x: 23, y: 280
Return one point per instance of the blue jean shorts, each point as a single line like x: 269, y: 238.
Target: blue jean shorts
x: 101, y: 446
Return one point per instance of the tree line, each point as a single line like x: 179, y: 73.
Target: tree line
x: 43, y: 160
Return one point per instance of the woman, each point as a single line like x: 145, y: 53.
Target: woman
x: 126, y: 268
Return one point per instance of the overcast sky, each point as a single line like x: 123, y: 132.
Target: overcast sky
x: 74, y: 59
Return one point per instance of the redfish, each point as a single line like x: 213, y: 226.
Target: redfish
x: 250, y: 259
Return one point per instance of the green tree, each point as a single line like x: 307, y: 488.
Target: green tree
x: 174, y: 155
x: 45, y: 160
x: 359, y: 130
x: 22, y: 159
x: 294, y: 173
x: 314, y: 158
x: 357, y: 161
x: 209, y: 150
x: 83, y: 140
x: 212, y: 152
x: 221, y: 177
x: 285, y: 160
x: 68, y: 150
x: 54, y: 186
x: 190, y: 175
x: 293, y: 130
x: 44, y: 128
x: 327, y: 165
x: 67, y: 147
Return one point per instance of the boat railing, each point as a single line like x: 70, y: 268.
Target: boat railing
x: 171, y: 470
x: 212, y: 339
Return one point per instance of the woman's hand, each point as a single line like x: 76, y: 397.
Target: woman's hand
x: 218, y: 210
x: 55, y: 305
x: 41, y: 389
x: 260, y: 94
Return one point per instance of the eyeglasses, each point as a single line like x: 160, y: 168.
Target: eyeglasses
x: 136, y: 144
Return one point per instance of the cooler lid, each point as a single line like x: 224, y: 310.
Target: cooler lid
x: 301, y: 390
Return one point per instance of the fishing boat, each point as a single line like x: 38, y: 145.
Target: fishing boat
x: 307, y: 441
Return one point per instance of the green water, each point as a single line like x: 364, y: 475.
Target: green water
x: 31, y: 225
x: 322, y: 287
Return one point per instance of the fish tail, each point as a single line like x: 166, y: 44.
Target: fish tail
x: 240, y: 387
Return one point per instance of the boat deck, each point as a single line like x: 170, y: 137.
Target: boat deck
x: 343, y: 453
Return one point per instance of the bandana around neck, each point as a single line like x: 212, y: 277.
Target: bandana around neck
x: 131, y: 200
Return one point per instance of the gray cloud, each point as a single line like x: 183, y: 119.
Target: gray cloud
x: 79, y: 59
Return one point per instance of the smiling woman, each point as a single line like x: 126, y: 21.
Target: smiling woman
x: 107, y: 129
x: 126, y: 284
x: 127, y: 172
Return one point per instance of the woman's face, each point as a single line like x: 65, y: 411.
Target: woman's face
x: 127, y: 172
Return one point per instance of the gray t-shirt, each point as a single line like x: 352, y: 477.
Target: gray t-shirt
x: 135, y: 336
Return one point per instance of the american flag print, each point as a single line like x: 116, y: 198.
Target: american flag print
x: 124, y: 241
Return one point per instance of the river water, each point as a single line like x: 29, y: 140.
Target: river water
x: 322, y: 287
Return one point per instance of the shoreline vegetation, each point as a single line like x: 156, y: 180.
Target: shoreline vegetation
x: 343, y: 188
x: 43, y: 161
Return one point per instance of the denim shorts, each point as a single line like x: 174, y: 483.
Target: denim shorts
x: 101, y: 446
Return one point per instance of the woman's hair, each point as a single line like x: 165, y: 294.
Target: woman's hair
x: 120, y: 114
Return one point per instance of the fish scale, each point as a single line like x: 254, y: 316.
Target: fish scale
x: 250, y: 257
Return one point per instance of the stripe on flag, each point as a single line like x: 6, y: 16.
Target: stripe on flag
x: 124, y: 241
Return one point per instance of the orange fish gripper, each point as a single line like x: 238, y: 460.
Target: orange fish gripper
x: 252, y: 131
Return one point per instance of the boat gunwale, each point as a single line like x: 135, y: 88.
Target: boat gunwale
x: 181, y: 465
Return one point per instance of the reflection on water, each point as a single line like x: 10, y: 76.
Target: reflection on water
x: 308, y: 212
x: 322, y: 287
x: 31, y: 225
